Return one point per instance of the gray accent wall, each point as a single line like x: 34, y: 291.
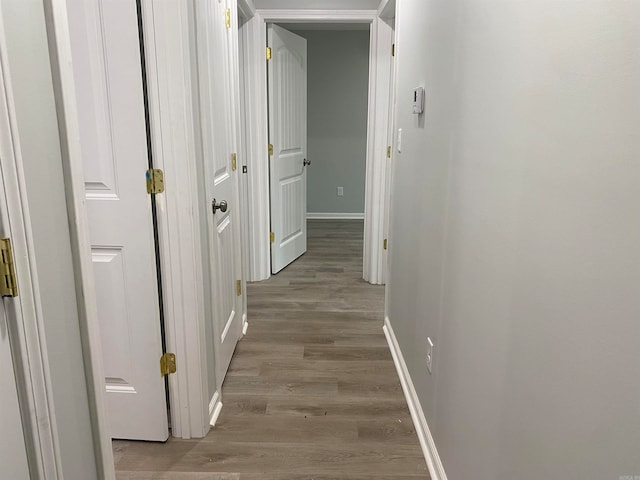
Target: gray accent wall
x: 515, y: 234
x: 337, y: 85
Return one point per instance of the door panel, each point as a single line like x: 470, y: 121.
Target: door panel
x: 217, y: 61
x: 107, y: 69
x: 288, y: 135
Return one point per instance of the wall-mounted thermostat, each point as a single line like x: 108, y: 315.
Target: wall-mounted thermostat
x: 418, y: 100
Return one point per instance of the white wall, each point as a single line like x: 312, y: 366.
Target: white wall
x: 39, y: 143
x: 516, y: 233
x: 337, y: 91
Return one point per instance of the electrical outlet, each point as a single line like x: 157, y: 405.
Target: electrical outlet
x: 340, y: 191
x: 429, y: 354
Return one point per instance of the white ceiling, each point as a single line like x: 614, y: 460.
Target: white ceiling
x: 319, y: 4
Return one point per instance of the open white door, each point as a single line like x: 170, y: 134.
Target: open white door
x: 216, y: 61
x: 288, y: 138
x: 108, y: 75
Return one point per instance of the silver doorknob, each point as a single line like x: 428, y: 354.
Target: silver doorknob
x: 306, y: 163
x: 222, y: 206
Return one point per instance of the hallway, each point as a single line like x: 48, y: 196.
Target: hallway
x: 312, y: 391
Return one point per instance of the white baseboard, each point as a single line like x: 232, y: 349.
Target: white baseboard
x: 215, y: 406
x: 436, y: 470
x: 334, y: 216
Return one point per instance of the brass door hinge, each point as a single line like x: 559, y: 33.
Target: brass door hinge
x: 234, y: 162
x: 227, y: 17
x: 385, y: 244
x: 272, y: 237
x: 389, y: 152
x: 238, y: 287
x: 168, y: 364
x: 268, y: 53
x: 8, y: 280
x: 155, y: 180
x: 270, y: 149
x: 393, y: 49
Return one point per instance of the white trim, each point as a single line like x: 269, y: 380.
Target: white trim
x: 239, y: 140
x: 391, y: 141
x: 317, y: 16
x: 334, y: 216
x: 376, y: 197
x: 243, y: 180
x: 168, y: 49
x: 30, y: 352
x: 64, y: 89
x: 215, y: 407
x: 255, y: 84
x: 436, y: 470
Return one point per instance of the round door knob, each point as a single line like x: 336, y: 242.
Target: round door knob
x: 306, y: 162
x: 222, y: 206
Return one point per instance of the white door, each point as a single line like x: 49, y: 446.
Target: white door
x: 288, y: 136
x: 218, y: 95
x: 13, y: 453
x: 107, y: 69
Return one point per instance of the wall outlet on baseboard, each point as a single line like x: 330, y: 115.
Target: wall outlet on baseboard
x: 429, y: 354
x: 340, y: 191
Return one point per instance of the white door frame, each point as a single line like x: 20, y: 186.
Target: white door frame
x: 168, y: 34
x: 29, y: 350
x: 376, y: 195
x: 387, y: 13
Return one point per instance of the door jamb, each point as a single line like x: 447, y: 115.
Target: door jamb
x: 168, y: 45
x: 376, y: 197
x: 29, y: 351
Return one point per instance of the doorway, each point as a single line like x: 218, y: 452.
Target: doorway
x: 336, y: 119
x: 256, y: 184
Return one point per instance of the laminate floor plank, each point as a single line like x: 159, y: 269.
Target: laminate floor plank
x: 312, y: 392
x: 292, y: 458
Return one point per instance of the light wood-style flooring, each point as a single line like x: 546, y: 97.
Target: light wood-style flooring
x: 312, y: 391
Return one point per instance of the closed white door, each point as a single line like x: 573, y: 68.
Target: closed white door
x: 13, y: 453
x: 216, y: 62
x: 288, y: 136
x: 107, y: 68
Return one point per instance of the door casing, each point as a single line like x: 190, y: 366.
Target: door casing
x: 27, y: 332
x: 377, y: 166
